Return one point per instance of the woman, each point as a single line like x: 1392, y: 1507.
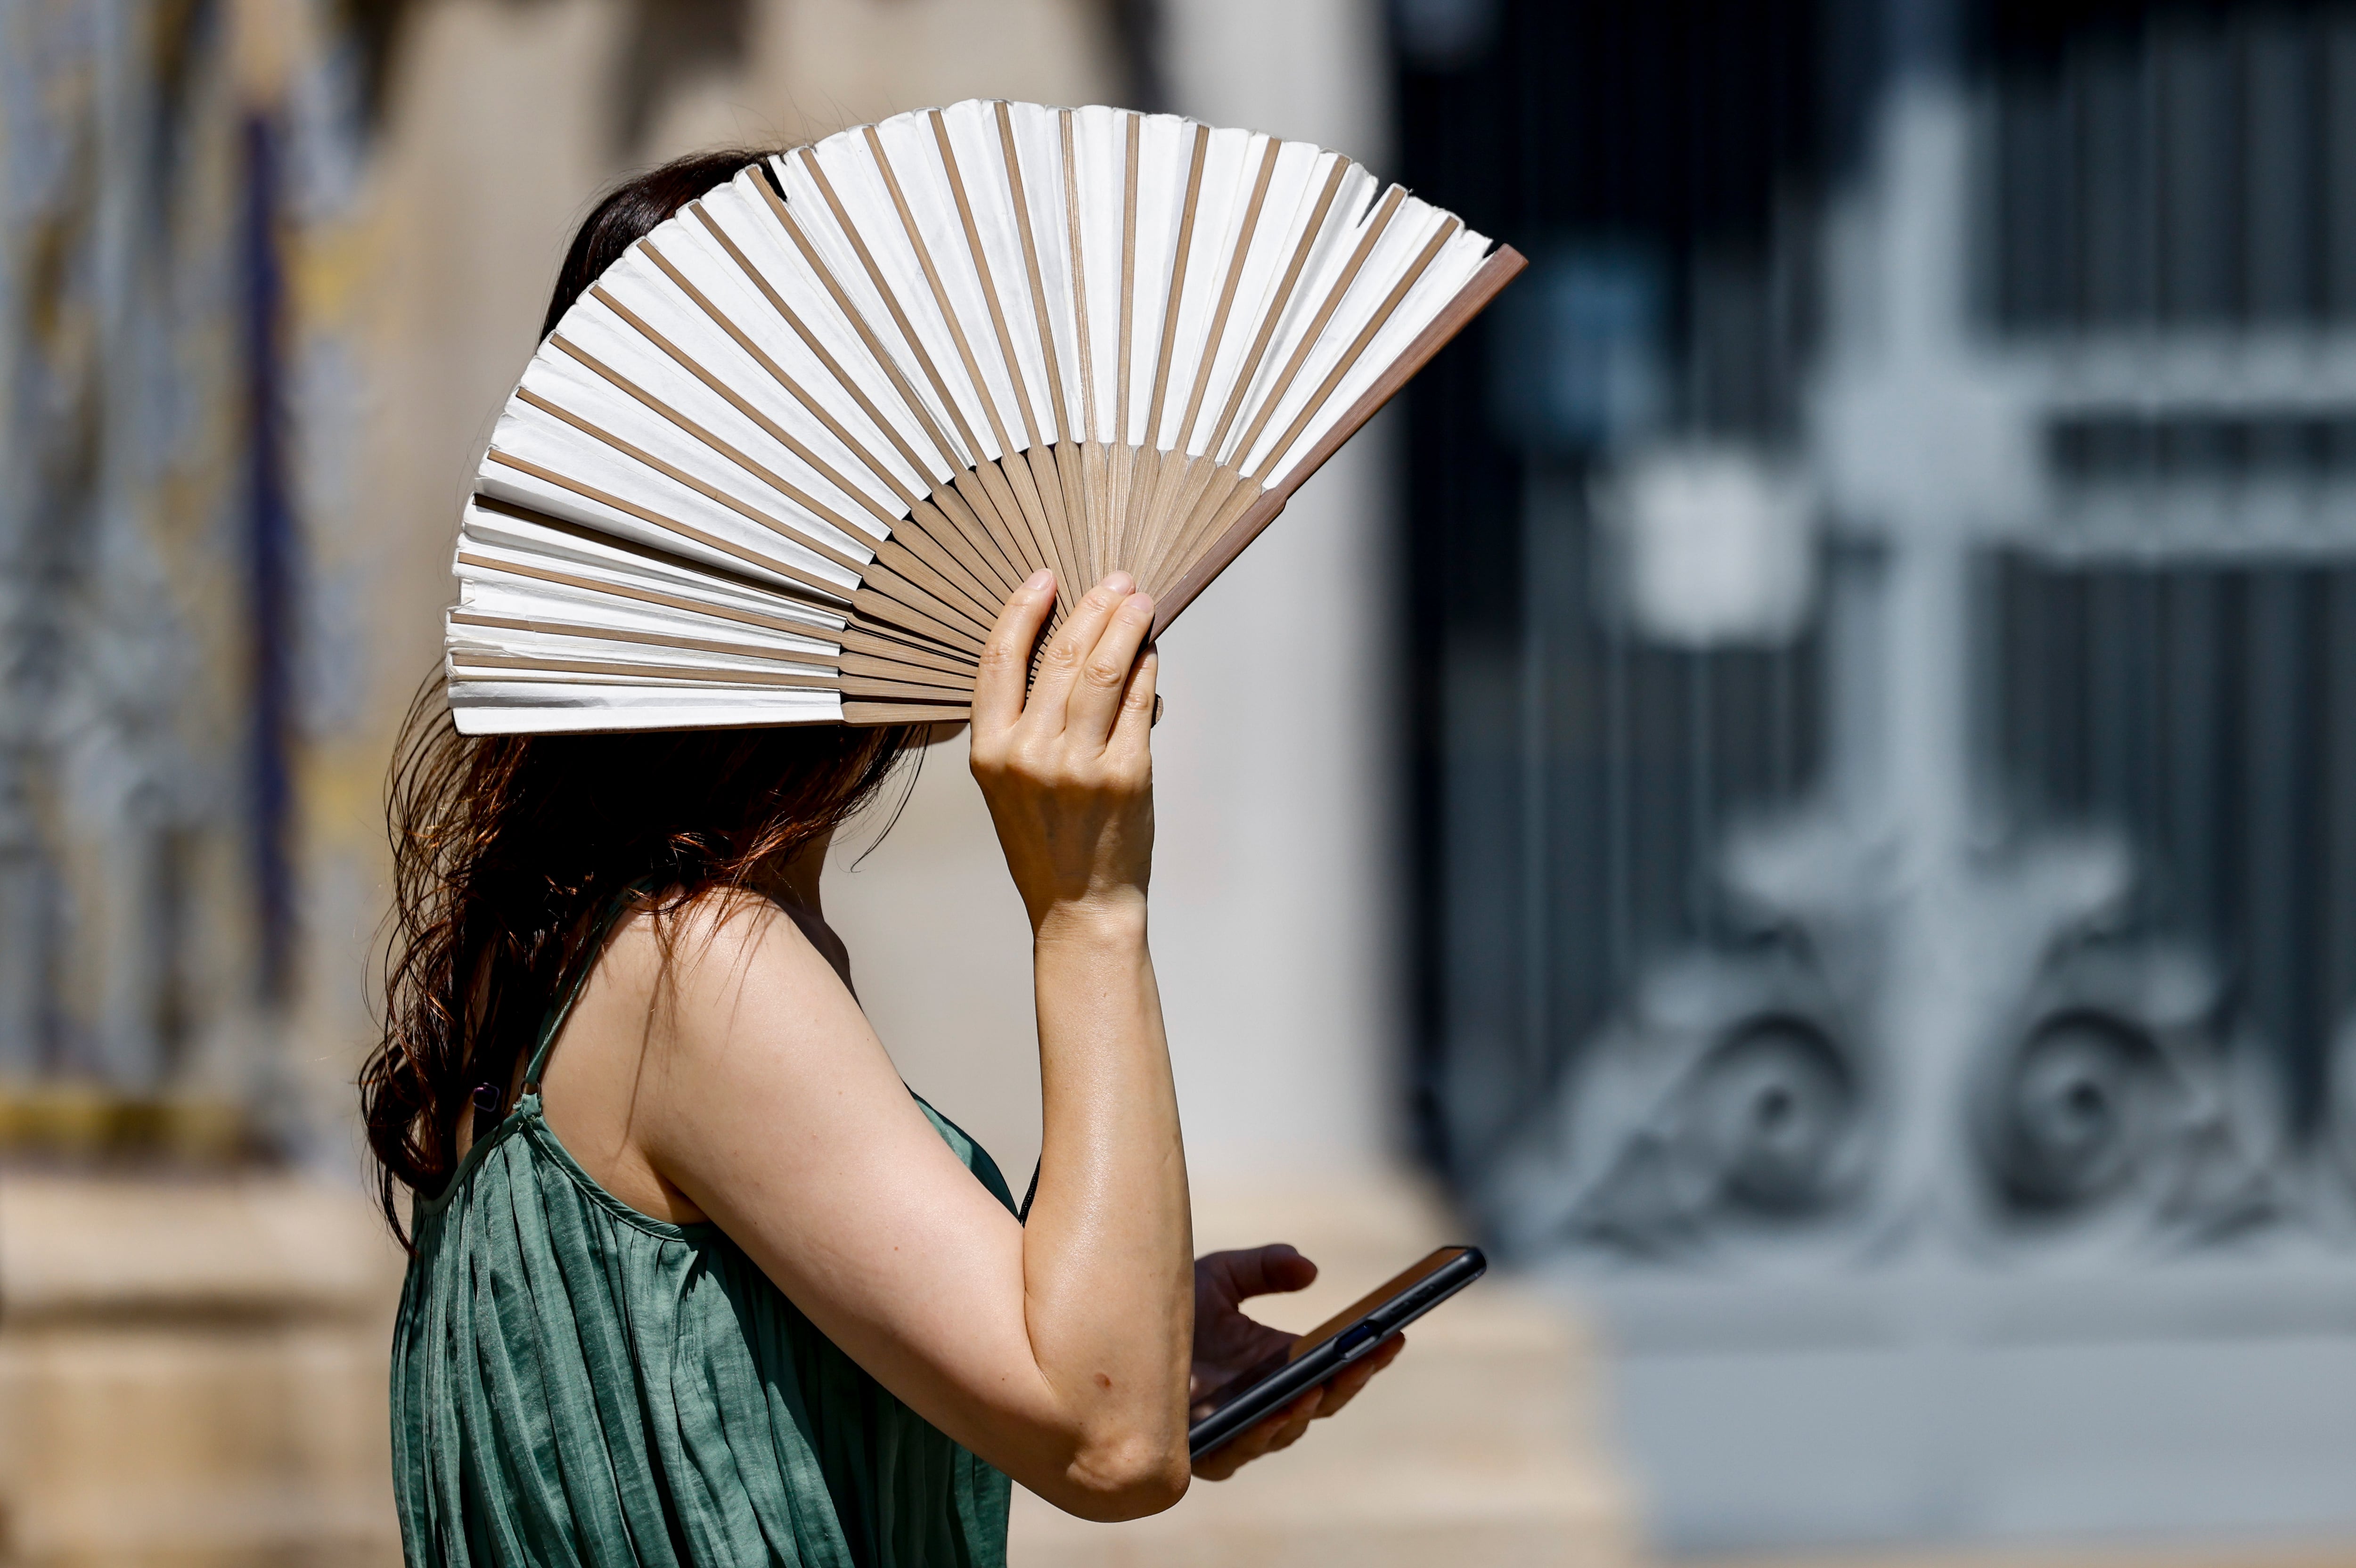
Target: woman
x: 695, y: 1278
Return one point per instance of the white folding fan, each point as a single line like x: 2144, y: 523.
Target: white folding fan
x: 785, y: 461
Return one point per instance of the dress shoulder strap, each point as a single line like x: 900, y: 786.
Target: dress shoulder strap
x: 576, y: 982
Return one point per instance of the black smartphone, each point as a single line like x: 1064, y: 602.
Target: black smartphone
x: 1333, y: 1344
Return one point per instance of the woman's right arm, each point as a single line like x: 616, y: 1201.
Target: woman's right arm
x: 1059, y: 1351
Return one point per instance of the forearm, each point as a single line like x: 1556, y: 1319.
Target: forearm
x: 1108, y: 1251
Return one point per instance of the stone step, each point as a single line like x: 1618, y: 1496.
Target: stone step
x: 192, y: 1375
x: 1409, y: 1512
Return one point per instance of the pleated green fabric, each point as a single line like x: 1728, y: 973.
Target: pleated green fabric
x: 575, y: 1382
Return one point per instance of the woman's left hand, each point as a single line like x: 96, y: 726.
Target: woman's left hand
x: 1227, y: 1342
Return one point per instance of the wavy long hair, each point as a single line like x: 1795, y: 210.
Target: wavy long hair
x: 506, y: 847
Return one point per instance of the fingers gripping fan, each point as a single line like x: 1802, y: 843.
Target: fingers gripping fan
x: 786, y: 460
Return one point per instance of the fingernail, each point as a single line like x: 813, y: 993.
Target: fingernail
x: 1119, y: 581
x: 1039, y: 580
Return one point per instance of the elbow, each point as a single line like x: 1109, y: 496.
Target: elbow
x: 1127, y: 1478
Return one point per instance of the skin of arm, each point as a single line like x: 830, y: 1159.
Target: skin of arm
x: 723, y: 1070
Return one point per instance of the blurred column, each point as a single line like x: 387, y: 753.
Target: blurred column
x: 124, y: 761
x: 23, y: 979
x: 1277, y: 881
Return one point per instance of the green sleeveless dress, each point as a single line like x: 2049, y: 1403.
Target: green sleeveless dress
x: 575, y: 1382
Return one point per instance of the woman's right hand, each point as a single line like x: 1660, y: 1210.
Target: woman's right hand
x: 1068, y: 770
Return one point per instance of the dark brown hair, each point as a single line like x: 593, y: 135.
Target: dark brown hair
x: 506, y: 847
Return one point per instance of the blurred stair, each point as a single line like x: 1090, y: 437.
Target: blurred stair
x: 1479, y: 1445
x: 192, y: 1375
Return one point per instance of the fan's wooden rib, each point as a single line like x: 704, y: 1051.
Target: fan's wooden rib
x: 1183, y: 479
x: 811, y: 680
x: 868, y: 687
x: 948, y: 312
x: 1048, y: 482
x: 1128, y: 279
x: 984, y: 490
x: 861, y: 640
x: 935, y: 545
x: 725, y: 448
x: 1016, y: 474
x: 1138, y: 527
x: 916, y: 678
x: 1066, y: 511
x: 1177, y: 286
x: 1076, y: 504
x: 1502, y: 267
x: 905, y: 712
x: 1277, y: 389
x: 949, y: 502
x: 645, y: 595
x: 1013, y: 504
x: 1223, y: 498
x: 808, y: 579
x: 1280, y: 302
x: 874, y: 690
x: 1008, y: 150
x: 1235, y: 259
x: 940, y: 542
x: 1086, y: 356
x: 960, y: 538
x: 653, y: 555
x: 1179, y: 476
x: 1349, y: 359
x: 1055, y: 536
x: 957, y: 194
x: 897, y: 559
x: 1124, y: 471
x: 952, y: 457
x: 1104, y: 482
x: 959, y: 585
x: 744, y: 406
x: 884, y: 584
x: 971, y: 444
x: 690, y: 711
x: 878, y: 606
x: 888, y: 642
x: 465, y: 617
x: 1091, y: 493
x: 816, y: 345
x: 1211, y: 509
x: 781, y: 527
x: 1088, y: 463
x: 868, y: 600
x: 1203, y: 491
x: 1158, y: 472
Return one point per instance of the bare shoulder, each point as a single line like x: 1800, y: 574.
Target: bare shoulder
x: 726, y: 961
x: 706, y: 1027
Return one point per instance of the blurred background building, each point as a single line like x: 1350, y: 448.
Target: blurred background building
x: 1882, y: 642
x: 1806, y: 804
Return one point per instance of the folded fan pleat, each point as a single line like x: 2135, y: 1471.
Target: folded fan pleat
x: 785, y: 461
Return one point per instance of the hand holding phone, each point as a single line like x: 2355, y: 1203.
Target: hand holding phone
x: 1255, y: 1388
x: 1227, y: 1342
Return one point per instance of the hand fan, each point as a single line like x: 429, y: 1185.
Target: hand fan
x: 785, y: 461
